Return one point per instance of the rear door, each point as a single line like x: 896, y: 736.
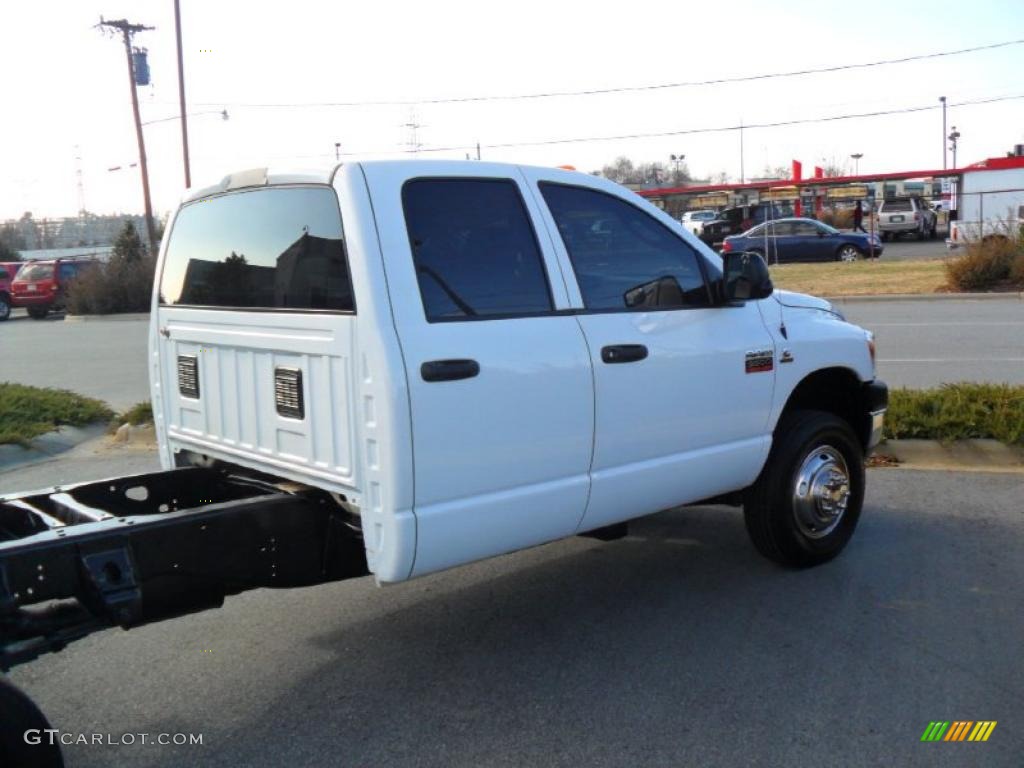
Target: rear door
x: 255, y: 325
x: 499, y: 375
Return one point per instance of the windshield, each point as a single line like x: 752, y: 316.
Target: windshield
x: 35, y: 272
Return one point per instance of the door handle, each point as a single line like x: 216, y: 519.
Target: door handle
x: 449, y: 370
x: 623, y: 353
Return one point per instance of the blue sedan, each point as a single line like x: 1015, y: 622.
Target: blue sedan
x: 786, y: 240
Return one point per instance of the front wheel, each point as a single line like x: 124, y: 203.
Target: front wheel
x: 849, y: 253
x: 5, y: 307
x: 803, y: 508
x: 23, y: 740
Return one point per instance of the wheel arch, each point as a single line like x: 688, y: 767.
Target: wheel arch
x: 836, y: 390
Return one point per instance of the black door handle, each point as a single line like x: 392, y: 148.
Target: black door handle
x: 623, y: 353
x: 449, y: 370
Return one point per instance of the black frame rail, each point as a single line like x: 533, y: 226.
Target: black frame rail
x: 134, y: 550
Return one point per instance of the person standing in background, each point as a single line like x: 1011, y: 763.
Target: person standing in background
x: 858, y: 218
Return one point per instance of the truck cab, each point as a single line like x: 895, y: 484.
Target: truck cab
x: 474, y: 358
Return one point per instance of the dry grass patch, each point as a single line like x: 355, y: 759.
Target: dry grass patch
x: 862, y: 278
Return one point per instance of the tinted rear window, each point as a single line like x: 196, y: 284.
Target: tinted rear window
x: 36, y: 272
x: 895, y: 206
x: 277, y: 248
x: 474, y: 248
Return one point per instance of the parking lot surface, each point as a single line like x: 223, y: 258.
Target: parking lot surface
x: 675, y: 646
x: 921, y: 344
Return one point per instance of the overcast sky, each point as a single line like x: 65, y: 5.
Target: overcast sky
x: 66, y: 86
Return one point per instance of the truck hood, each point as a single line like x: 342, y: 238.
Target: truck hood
x: 801, y: 301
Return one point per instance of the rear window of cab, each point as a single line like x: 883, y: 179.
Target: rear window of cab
x: 278, y: 248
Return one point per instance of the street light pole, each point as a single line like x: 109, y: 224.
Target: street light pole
x: 943, y: 100
x: 337, y: 151
x: 856, y: 160
x: 954, y: 136
x: 181, y: 95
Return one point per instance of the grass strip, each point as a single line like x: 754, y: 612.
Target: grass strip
x: 958, y: 412
x: 27, y: 412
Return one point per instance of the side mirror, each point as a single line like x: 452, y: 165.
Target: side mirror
x: 745, y: 276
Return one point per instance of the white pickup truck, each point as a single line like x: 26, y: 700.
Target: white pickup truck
x: 476, y: 358
x: 398, y: 367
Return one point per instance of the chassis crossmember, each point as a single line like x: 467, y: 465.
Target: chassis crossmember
x: 134, y: 550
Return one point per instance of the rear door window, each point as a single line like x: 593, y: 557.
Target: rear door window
x: 474, y: 249
x: 624, y: 258
x: 277, y: 248
x: 32, y: 272
x: 897, y: 206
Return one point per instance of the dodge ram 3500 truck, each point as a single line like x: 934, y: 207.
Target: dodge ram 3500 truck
x: 399, y: 367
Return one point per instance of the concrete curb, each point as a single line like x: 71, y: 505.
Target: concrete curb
x: 115, y: 318
x: 1009, y: 295
x: 961, y: 455
x: 46, y: 446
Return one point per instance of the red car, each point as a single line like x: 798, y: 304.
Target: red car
x: 7, y: 271
x: 41, y: 286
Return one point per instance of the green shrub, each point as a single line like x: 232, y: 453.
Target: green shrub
x: 957, y: 412
x: 986, y: 265
x: 26, y: 412
x: 122, y: 284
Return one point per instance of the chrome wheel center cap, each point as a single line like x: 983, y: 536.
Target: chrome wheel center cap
x: 822, y: 492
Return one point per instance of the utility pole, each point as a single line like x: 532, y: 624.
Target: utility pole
x: 181, y: 95
x: 337, y: 151
x: 954, y: 137
x: 478, y: 150
x: 942, y: 99
x: 856, y: 159
x: 127, y: 30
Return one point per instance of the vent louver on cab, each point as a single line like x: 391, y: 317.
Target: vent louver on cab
x: 288, y: 393
x: 188, y: 376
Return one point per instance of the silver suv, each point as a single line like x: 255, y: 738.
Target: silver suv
x: 906, y: 215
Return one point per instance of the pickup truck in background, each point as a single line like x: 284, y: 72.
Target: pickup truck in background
x: 736, y: 220
x: 906, y: 215
x: 400, y: 367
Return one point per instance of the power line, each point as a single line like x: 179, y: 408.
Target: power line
x: 624, y: 89
x: 684, y: 131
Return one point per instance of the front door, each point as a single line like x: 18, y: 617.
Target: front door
x: 683, y: 389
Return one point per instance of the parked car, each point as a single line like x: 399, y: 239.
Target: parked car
x: 906, y: 215
x: 733, y: 221
x: 7, y: 271
x: 41, y: 286
x: 788, y: 240
x: 695, y: 220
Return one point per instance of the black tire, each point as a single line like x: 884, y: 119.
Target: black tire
x: 20, y: 714
x: 770, y: 508
x: 858, y: 253
x: 885, y: 237
x: 37, y: 313
x: 5, y: 307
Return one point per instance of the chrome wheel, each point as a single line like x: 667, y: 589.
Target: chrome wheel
x: 5, y: 308
x: 848, y: 253
x: 821, y: 492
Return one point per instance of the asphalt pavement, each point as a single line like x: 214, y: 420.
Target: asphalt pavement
x: 920, y: 344
x: 105, y: 359
x: 676, y: 646
x: 925, y: 343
